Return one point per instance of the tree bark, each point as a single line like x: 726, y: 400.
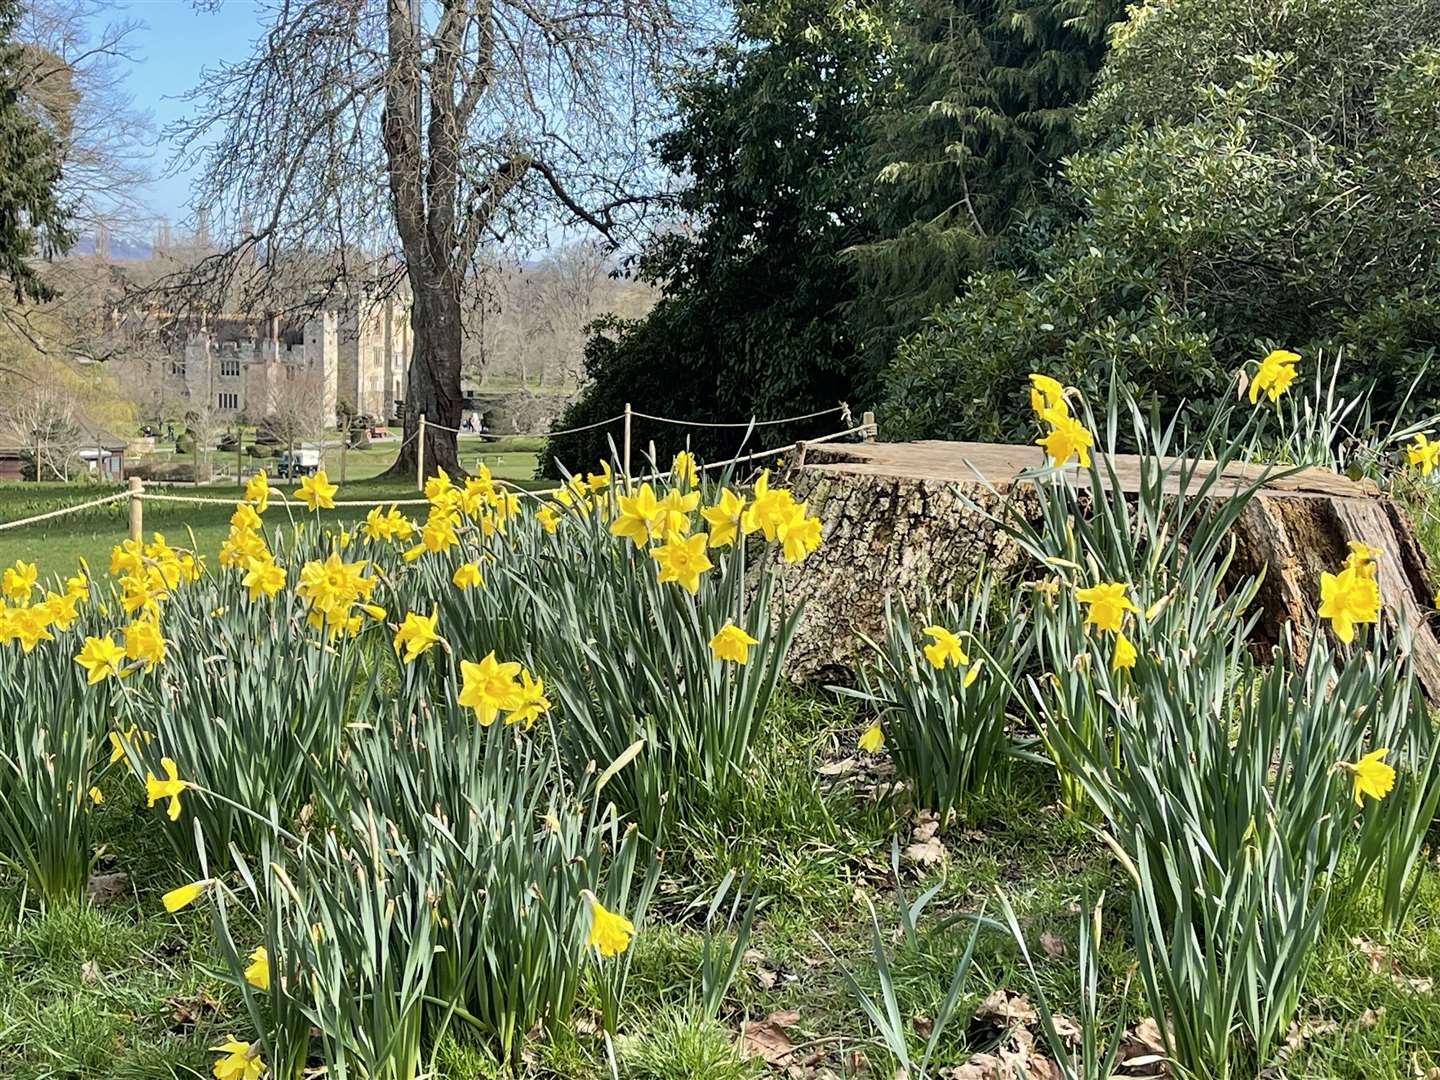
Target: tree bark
x: 898, y: 518
x: 433, y: 382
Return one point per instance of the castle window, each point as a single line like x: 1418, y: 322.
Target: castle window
x: 177, y: 367
x: 230, y: 368
x: 229, y: 401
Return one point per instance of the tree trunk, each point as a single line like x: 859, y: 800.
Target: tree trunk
x: 433, y: 381
x: 897, y: 520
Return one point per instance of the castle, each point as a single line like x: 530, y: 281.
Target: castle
x: 247, y: 369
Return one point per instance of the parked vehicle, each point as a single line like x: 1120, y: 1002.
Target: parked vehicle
x: 303, y: 462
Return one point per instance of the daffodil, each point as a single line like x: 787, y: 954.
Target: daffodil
x: 1274, y: 375
x: 610, y: 932
x: 769, y: 508
x: 1423, y: 454
x: 1347, y: 599
x: 169, y: 788
x: 257, y: 491
x: 145, y: 642
x: 416, y: 634
x: 18, y: 581
x: 100, y: 657
x: 265, y: 577
x: 244, y: 517
x: 1371, y: 775
x: 731, y: 643
x: 548, y: 518
x: 799, y: 534
x: 682, y: 559
x: 466, y: 576
x: 684, y: 471
x: 184, y: 896
x: 1067, y: 438
x: 1363, y: 559
x: 944, y: 648
x: 872, y: 739
x: 257, y: 974
x: 1107, y: 604
x: 1125, y: 656
x: 240, y: 1060
x: 130, y: 740
x: 638, y: 517
x: 1047, y: 395
x: 724, y: 518
x: 532, y: 702
x: 317, y: 492
x: 489, y: 688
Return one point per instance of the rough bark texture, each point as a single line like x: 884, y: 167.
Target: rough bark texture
x: 896, y: 520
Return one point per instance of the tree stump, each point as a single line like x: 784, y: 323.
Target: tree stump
x: 898, y: 519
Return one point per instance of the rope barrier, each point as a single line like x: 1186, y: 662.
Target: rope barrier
x: 65, y: 510
x: 528, y: 434
x: 738, y: 424
x: 282, y: 500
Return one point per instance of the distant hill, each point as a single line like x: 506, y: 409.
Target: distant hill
x: 121, y: 249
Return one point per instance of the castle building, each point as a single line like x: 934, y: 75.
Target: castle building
x: 247, y: 370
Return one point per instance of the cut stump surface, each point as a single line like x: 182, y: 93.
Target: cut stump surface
x: 897, y: 519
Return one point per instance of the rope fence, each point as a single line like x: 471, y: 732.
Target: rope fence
x: 137, y: 496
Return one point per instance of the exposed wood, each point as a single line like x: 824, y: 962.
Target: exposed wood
x: 896, y: 520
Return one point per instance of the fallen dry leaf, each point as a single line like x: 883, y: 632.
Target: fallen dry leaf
x: 843, y: 767
x: 188, y: 1011
x: 1054, y: 947
x: 767, y: 1038
x: 1067, y: 1029
x: 1007, y: 1009
x: 924, y: 852
x: 1142, y: 1050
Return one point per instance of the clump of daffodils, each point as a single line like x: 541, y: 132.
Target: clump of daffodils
x: 1274, y: 375
x: 27, y: 621
x: 1066, y: 437
x: 338, y: 594
x: 1351, y: 597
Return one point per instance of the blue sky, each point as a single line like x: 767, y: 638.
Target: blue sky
x: 170, y: 51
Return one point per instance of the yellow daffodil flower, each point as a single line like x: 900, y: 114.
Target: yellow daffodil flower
x: 100, y: 657
x: 1371, y: 775
x: 944, y: 648
x: 1125, y: 655
x: 316, y: 491
x: 466, y: 576
x: 1067, y: 438
x: 489, y: 688
x: 241, y: 1060
x: 169, y: 788
x: 609, y: 932
x: 682, y: 559
x: 1423, y: 454
x: 724, y: 518
x: 872, y: 739
x: 257, y: 491
x: 732, y: 644
x: 1274, y: 375
x: 1046, y: 395
x: 1348, y: 599
x: 184, y: 896
x: 684, y: 471
x: 145, y: 642
x: 416, y: 634
x: 258, y: 973
x: 18, y: 581
x: 265, y: 577
x: 1107, y: 604
x: 532, y: 702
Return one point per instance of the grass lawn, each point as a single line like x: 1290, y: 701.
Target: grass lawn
x: 123, y: 991
x: 90, y: 534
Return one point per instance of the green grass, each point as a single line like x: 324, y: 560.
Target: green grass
x: 125, y: 991
x: 59, y: 542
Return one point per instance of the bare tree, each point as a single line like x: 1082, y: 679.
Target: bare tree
x: 42, y: 420
x: 400, y: 138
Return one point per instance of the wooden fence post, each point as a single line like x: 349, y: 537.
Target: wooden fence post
x: 137, y: 508
x: 239, y: 456
x: 868, y: 419
x: 344, y: 446
x: 627, y: 441
x: 420, y: 455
